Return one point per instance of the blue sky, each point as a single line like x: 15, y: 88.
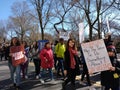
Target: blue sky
x: 5, y: 8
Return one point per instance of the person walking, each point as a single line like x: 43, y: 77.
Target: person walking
x: 59, y: 51
x: 16, y: 59
x: 55, y: 57
x: 36, y: 60
x: 24, y: 66
x: 47, y: 61
x: 85, y: 69
x: 71, y: 64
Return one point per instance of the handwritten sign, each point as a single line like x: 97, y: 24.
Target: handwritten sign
x: 64, y: 35
x: 17, y: 55
x: 96, y: 56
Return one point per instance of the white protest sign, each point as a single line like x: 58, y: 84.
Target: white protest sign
x: 108, y: 26
x: 64, y: 35
x: 81, y: 32
x: 96, y: 56
x: 18, y: 55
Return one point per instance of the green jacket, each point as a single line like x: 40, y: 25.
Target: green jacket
x: 59, y: 50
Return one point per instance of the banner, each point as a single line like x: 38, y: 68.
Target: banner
x: 65, y: 35
x: 96, y: 56
x: 81, y: 32
x: 17, y: 55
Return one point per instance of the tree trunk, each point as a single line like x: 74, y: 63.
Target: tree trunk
x: 42, y: 34
x: 90, y: 32
x: 99, y: 29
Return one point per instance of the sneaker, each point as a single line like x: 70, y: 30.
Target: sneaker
x: 42, y: 81
x: 37, y: 77
x: 92, y: 88
x: 26, y: 77
x: 53, y: 82
x: 18, y: 88
x: 82, y: 83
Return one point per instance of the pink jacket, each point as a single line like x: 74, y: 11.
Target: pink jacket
x: 46, y: 56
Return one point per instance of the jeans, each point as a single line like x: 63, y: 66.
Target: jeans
x: 11, y: 69
x: 16, y: 75
x: 43, y: 73
x: 60, y: 66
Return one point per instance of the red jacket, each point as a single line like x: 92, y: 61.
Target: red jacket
x: 46, y: 56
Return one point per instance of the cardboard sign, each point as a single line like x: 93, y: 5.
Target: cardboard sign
x: 96, y: 56
x: 17, y: 55
x: 65, y: 35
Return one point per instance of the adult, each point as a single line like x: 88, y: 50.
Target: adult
x: 24, y: 66
x: 16, y: 59
x: 59, y: 50
x: 85, y: 69
x: 36, y: 60
x: 71, y: 64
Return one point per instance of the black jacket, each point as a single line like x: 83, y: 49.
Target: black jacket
x: 67, y: 62
x: 107, y: 78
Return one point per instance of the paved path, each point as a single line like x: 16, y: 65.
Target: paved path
x: 32, y: 83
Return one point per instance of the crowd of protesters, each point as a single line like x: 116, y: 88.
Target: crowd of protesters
x: 64, y: 59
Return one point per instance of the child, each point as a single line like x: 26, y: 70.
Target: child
x: 47, y: 61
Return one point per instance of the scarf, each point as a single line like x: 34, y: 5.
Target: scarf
x: 72, y: 59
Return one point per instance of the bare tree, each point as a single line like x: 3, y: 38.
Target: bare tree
x: 10, y: 28
x: 3, y: 32
x: 43, y: 8
x: 117, y: 4
x: 61, y: 9
x: 22, y: 20
x: 93, y: 10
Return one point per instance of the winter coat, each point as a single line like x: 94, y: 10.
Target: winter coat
x: 59, y: 50
x: 67, y: 62
x: 46, y: 56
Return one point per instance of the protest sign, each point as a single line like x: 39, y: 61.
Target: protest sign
x: 96, y: 56
x: 108, y: 26
x: 65, y: 35
x: 81, y: 32
x: 17, y: 55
